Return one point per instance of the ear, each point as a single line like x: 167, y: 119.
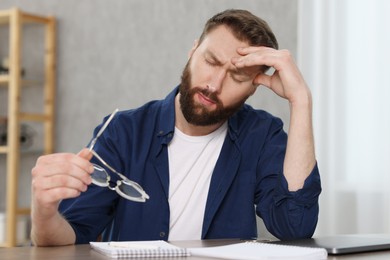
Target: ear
x: 191, y: 52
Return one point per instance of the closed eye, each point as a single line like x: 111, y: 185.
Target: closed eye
x: 211, y: 59
x: 211, y: 63
x: 239, y: 78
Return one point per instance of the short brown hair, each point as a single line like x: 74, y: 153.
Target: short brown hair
x: 245, y: 27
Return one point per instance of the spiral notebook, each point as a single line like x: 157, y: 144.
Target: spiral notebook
x: 138, y: 249
x: 253, y: 250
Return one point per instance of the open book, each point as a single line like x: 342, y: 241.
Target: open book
x: 138, y: 249
x: 252, y: 250
x: 239, y: 251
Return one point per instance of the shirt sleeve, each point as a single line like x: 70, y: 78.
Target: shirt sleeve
x: 286, y: 215
x: 90, y: 213
x: 94, y: 209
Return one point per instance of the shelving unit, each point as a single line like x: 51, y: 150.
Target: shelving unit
x: 16, y: 19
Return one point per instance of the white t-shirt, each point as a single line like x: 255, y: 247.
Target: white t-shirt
x: 191, y: 163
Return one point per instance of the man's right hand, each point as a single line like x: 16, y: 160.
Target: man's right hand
x: 56, y: 177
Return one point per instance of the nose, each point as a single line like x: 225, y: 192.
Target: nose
x: 216, y: 81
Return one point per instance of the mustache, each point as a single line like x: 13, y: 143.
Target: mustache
x: 207, y: 93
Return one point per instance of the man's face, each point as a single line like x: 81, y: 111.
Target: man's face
x: 212, y: 89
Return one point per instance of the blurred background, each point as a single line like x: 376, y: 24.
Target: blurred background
x: 123, y: 53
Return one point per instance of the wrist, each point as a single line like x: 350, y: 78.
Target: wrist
x: 301, y: 100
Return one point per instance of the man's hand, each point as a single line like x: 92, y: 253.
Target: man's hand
x: 56, y: 177
x: 286, y: 81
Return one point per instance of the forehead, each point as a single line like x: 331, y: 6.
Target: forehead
x: 222, y: 43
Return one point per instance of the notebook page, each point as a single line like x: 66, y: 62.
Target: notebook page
x: 138, y: 249
x: 259, y: 251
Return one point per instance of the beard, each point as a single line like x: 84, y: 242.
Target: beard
x: 197, y: 114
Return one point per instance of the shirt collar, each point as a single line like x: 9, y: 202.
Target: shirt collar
x: 167, y: 116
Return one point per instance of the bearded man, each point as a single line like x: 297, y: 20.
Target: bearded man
x: 199, y: 164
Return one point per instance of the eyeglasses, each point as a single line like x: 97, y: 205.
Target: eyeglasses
x: 126, y: 188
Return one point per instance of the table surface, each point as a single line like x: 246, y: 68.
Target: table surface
x: 83, y: 252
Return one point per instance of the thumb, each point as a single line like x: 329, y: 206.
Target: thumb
x: 85, y: 153
x: 262, y: 79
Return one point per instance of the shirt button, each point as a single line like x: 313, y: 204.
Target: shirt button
x: 161, y: 132
x: 162, y: 234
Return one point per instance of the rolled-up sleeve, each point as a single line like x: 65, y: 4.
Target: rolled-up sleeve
x: 294, y: 215
x: 287, y: 215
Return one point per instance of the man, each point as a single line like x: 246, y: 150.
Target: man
x: 207, y: 160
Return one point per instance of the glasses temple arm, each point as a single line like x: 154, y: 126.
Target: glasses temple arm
x: 93, y: 142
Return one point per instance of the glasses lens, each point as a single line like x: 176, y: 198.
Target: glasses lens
x: 99, y: 176
x: 130, y: 191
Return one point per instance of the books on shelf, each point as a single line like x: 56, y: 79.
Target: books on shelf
x: 250, y: 250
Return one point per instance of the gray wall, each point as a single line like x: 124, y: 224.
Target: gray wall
x: 122, y: 53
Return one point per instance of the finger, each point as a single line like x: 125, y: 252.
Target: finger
x: 45, y: 202
x: 251, y: 49
x: 46, y: 197
x: 254, y: 59
x: 49, y: 190
x: 68, y: 158
x: 60, y: 180
x: 86, y: 154
x: 62, y: 168
x: 261, y: 56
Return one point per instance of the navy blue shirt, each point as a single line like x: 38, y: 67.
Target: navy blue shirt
x: 247, y: 180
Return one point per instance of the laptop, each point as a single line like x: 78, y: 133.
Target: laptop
x: 344, y: 244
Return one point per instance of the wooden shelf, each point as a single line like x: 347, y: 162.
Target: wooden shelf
x: 34, y: 117
x: 36, y: 151
x: 7, y: 15
x: 3, y: 149
x: 15, y: 19
x: 4, y: 80
x: 23, y: 211
x: 4, y: 16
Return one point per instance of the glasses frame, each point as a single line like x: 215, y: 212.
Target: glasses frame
x: 124, y: 180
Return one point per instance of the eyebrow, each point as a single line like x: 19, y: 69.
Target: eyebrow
x: 233, y: 70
